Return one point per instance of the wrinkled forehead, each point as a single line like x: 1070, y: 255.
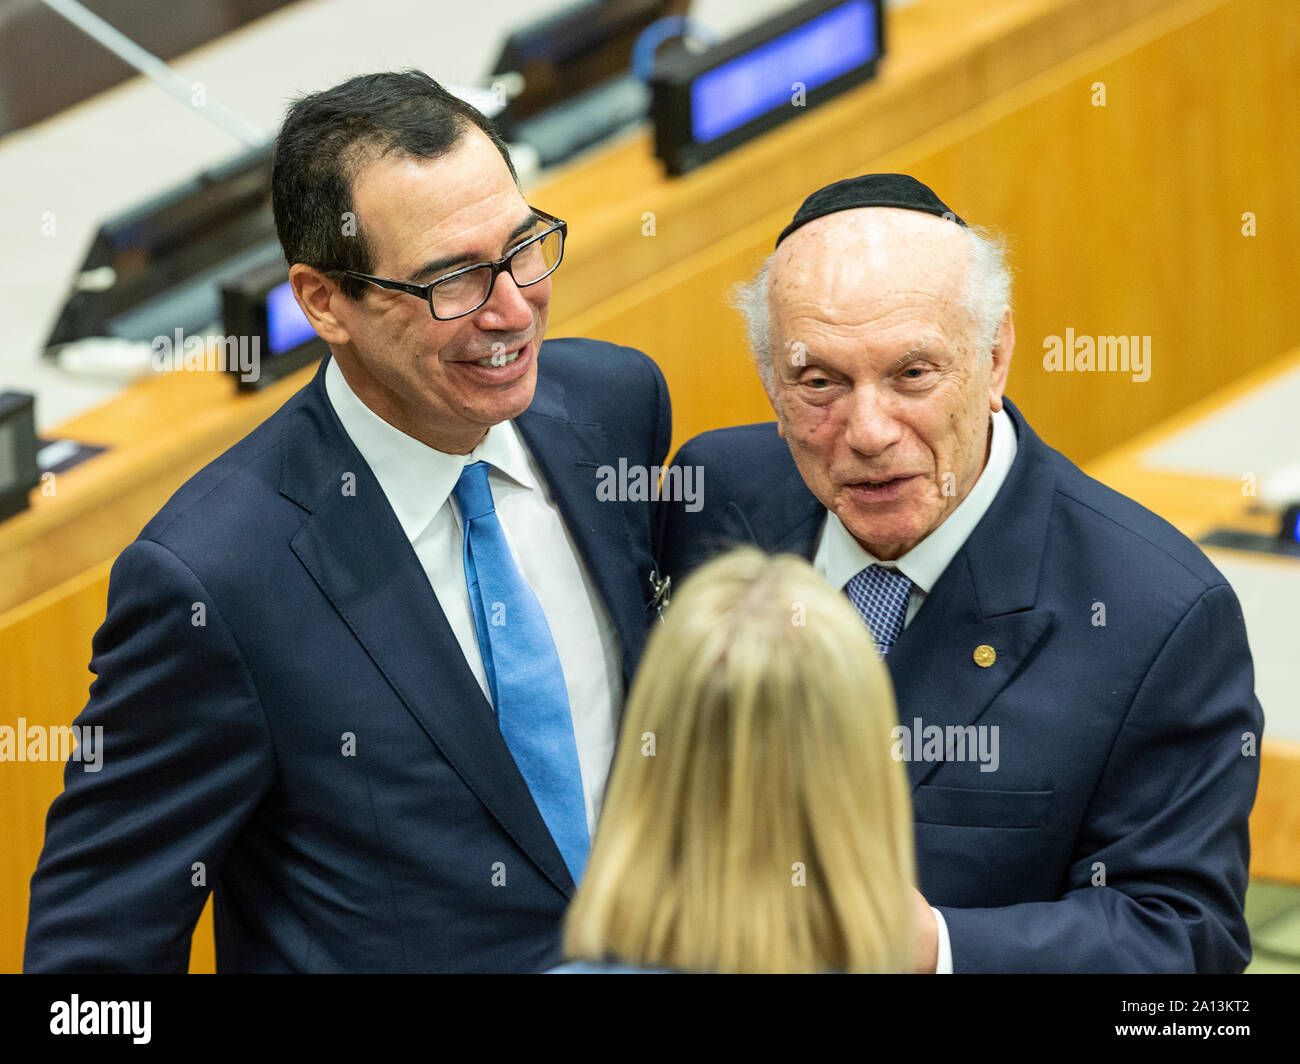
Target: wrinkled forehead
x: 459, y: 206
x: 861, y: 264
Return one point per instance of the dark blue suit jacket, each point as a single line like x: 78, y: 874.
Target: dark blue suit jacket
x: 1121, y: 746
x: 225, y: 741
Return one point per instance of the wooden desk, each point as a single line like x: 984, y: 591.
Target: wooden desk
x: 1196, y: 505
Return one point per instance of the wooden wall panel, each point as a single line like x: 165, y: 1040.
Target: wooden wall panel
x: 44, y: 653
x: 1127, y: 219
x: 1123, y: 219
x: 45, y: 679
x: 1275, y: 820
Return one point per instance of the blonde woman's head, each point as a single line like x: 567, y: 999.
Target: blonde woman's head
x: 755, y: 819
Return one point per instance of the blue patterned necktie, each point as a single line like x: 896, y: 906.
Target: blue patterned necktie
x: 881, y: 597
x: 523, y: 671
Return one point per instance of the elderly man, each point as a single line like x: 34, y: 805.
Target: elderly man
x: 362, y: 674
x: 1075, y: 692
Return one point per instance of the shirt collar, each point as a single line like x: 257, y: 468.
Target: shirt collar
x: 840, y: 557
x: 415, y: 478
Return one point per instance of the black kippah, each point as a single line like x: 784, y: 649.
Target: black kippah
x: 869, y: 190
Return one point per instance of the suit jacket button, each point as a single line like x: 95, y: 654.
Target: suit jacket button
x: 985, y: 655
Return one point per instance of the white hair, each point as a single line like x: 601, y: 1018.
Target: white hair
x: 988, y: 286
x: 987, y: 299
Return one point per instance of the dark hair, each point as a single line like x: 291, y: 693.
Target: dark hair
x: 329, y: 137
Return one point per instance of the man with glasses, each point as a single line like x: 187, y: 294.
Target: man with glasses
x: 361, y: 676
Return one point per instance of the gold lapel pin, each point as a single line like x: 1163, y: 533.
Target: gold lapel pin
x: 985, y: 655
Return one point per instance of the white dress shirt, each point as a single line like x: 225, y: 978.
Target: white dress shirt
x: 418, y: 481
x: 840, y: 557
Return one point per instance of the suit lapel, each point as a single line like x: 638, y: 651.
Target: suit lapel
x: 802, y: 537
x: 937, y: 678
x: 789, y: 519
x: 569, y: 454
x: 355, y: 550
x: 985, y: 598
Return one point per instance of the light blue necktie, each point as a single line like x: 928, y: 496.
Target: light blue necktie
x: 881, y: 597
x: 523, y: 671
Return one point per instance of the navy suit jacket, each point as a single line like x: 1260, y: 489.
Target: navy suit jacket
x: 1113, y: 834
x: 289, y: 719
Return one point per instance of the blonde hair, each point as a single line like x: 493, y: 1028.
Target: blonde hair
x: 755, y: 819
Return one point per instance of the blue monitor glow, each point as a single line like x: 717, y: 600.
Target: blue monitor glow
x: 747, y: 87
x: 259, y: 304
x: 705, y: 104
x: 286, y: 325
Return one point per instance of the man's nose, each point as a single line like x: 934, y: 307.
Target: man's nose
x: 506, y: 309
x: 871, y: 426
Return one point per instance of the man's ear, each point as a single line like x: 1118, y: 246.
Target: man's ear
x: 1001, y: 361
x: 315, y: 294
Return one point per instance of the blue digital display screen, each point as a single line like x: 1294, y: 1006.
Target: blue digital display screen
x: 286, y: 324
x: 761, y: 80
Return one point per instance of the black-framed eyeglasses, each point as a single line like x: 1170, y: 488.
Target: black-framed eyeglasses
x: 463, y: 291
